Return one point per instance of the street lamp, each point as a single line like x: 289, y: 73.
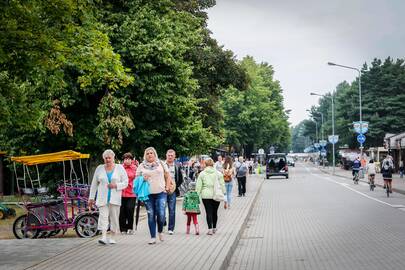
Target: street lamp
x: 361, y: 123
x: 333, y: 126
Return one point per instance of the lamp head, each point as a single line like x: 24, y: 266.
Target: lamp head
x: 331, y: 64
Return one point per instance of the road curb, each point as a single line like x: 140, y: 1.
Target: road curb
x: 400, y: 191
x: 227, y: 258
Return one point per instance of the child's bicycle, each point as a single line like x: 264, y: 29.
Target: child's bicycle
x: 371, y: 181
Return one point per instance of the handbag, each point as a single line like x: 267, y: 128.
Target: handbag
x: 168, y: 179
x: 218, y: 194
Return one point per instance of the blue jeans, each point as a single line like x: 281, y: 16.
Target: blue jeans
x: 156, y: 207
x: 171, y: 204
x: 228, y: 187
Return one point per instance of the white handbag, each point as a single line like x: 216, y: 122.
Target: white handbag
x: 218, y: 194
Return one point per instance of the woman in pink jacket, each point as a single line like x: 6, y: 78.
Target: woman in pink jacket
x: 128, y: 198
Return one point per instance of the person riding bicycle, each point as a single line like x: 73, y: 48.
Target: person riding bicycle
x: 386, y: 170
x: 356, y: 167
x: 371, y: 171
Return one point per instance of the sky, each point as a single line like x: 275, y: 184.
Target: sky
x: 298, y: 38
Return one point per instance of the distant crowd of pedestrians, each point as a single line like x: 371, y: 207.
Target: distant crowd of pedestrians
x: 117, y: 187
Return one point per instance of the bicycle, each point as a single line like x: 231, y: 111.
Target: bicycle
x: 356, y: 177
x: 371, y: 181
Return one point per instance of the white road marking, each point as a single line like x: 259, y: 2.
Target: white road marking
x: 346, y: 185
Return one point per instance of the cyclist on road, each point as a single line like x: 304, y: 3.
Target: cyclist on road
x: 356, y: 167
x: 386, y: 170
x: 370, y: 170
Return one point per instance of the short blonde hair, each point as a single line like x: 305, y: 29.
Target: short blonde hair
x: 108, y: 152
x: 209, y: 162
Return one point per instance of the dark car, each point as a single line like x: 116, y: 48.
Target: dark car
x: 276, y: 165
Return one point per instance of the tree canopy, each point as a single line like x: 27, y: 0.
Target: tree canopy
x: 90, y: 75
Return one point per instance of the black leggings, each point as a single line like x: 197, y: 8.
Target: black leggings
x: 211, y: 210
x: 127, y: 213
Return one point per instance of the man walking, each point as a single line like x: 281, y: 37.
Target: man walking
x: 177, y: 175
x: 241, y: 172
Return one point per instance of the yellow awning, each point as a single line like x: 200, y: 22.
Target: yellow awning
x: 50, y: 158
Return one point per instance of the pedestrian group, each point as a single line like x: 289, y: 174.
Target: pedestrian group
x: 115, y: 188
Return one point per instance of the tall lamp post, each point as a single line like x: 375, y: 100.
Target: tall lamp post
x: 333, y: 126
x: 361, y: 116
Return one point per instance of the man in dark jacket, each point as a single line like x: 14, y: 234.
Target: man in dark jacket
x: 177, y: 175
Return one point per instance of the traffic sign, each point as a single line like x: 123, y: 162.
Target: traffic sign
x: 323, y: 143
x: 316, y: 145
x: 333, y: 139
x: 361, y: 138
x: 261, y: 151
x: 323, y: 152
x: 360, y: 127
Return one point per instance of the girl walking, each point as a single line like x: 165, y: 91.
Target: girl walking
x: 191, y: 207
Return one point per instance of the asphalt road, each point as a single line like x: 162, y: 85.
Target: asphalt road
x: 317, y: 221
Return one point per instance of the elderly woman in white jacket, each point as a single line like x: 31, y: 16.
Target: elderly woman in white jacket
x: 108, y: 181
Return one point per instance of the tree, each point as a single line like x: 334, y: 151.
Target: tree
x: 255, y: 117
x: 53, y: 57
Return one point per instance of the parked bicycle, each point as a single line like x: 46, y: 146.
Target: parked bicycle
x: 47, y: 216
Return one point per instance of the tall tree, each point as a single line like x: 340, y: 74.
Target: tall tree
x: 255, y: 117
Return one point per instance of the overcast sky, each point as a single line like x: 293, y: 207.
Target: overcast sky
x: 299, y: 37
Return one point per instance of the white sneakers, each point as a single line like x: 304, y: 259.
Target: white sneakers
x: 152, y: 241
x: 107, y: 241
x: 130, y: 232
x: 111, y: 241
x: 171, y: 232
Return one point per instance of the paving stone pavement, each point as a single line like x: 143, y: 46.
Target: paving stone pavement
x: 178, y: 251
x: 312, y: 221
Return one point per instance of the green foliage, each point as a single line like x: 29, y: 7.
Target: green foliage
x: 52, y: 51
x: 383, y: 96
x: 154, y: 40
x: 255, y: 118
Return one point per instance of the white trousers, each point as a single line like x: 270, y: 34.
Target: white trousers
x: 109, y: 214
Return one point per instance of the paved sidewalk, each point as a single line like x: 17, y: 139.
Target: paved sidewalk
x: 178, y: 251
x: 398, y: 184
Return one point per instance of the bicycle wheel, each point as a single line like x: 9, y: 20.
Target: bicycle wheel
x: 20, y: 229
x: 86, y: 226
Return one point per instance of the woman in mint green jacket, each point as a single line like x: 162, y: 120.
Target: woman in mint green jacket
x: 205, y: 189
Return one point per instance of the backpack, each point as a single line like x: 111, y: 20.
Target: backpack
x: 387, y: 166
x: 242, y: 169
x: 228, y: 174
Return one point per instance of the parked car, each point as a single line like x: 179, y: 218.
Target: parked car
x: 290, y: 161
x: 276, y: 165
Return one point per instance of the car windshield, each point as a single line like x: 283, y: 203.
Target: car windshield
x: 276, y: 159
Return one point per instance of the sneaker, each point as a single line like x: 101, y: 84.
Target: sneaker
x: 214, y: 230
x: 161, y: 237
x: 123, y: 233
x: 210, y: 232
x: 103, y: 241
x: 111, y: 241
x: 152, y: 241
x: 130, y: 232
x: 171, y: 232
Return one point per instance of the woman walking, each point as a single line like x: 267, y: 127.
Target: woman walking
x: 157, y: 174
x: 206, y: 183
x: 229, y: 174
x: 108, y: 181
x: 128, y: 197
